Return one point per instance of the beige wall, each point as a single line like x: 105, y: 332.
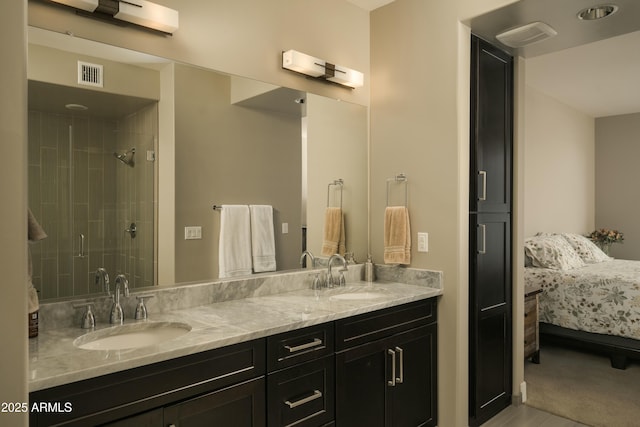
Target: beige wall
x: 226, y: 154
x: 617, y: 177
x: 559, y: 167
x: 337, y: 141
x: 420, y: 126
x: 13, y: 223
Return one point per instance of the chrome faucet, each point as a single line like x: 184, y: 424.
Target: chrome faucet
x: 103, y: 276
x: 117, y: 316
x: 310, y: 256
x: 341, y: 281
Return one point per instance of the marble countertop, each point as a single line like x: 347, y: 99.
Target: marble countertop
x: 55, y: 360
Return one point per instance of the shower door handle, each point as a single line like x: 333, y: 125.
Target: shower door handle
x: 132, y: 230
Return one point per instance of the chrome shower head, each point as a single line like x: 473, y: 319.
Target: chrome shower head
x: 127, y: 157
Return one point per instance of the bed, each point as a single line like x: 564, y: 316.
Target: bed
x: 588, y: 299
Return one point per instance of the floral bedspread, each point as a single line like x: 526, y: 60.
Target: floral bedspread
x: 603, y: 298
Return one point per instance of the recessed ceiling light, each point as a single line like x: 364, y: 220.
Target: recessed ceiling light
x: 597, y: 12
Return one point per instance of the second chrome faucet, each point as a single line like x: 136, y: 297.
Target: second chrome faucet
x: 117, y: 316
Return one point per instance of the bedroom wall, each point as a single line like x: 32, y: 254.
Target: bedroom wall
x: 617, y: 176
x: 559, y: 192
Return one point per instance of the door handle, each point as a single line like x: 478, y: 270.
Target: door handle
x: 483, y: 227
x: 392, y: 382
x: 483, y: 175
x: 400, y: 378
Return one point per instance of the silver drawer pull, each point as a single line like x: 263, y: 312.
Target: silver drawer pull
x: 315, y: 343
x: 317, y: 394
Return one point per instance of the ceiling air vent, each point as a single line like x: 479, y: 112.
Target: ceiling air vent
x: 89, y: 74
x: 526, y: 34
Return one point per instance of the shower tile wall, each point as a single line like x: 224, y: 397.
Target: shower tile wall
x: 93, y: 198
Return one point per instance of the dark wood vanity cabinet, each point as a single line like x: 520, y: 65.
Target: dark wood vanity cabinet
x: 386, y: 367
x: 374, y: 369
x: 217, y: 383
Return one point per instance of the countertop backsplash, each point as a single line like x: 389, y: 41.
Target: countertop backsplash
x: 57, y: 315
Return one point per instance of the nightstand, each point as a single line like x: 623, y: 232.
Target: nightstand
x: 531, y: 330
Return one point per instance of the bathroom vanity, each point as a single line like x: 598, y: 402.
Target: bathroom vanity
x: 365, y: 353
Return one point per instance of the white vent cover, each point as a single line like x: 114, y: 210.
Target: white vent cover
x: 526, y: 34
x: 89, y: 74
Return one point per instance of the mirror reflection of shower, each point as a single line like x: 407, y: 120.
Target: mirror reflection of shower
x: 126, y: 157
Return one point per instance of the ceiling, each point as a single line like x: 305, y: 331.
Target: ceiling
x: 591, y: 66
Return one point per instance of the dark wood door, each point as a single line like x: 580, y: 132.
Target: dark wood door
x: 413, y: 400
x: 491, y: 128
x: 490, y: 358
x: 241, y: 405
x: 389, y: 382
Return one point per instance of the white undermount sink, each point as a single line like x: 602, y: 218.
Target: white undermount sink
x: 134, y: 335
x: 356, y: 296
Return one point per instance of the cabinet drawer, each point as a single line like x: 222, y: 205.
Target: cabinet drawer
x: 302, y: 395
x: 302, y: 345
x: 379, y: 324
x: 141, y: 389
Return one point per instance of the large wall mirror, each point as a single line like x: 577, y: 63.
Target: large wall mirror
x: 124, y: 175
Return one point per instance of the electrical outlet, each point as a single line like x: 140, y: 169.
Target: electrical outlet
x: 193, y: 233
x: 423, y: 242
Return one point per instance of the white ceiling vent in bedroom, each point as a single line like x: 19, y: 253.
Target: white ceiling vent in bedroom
x: 89, y: 74
x: 526, y: 34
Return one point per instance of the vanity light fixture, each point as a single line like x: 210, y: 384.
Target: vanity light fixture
x: 321, y: 69
x: 139, y: 12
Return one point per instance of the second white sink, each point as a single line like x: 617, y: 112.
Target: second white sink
x: 130, y: 336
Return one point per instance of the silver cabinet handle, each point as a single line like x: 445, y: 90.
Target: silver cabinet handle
x: 81, y: 253
x: 483, y: 227
x: 392, y: 382
x: 483, y: 175
x: 317, y: 394
x: 400, y: 378
x: 315, y: 343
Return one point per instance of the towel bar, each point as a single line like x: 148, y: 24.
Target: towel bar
x: 401, y: 178
x: 338, y: 183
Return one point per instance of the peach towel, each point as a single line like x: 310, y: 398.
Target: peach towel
x: 397, y: 235
x: 333, y: 238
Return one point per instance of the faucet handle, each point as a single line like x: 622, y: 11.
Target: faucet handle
x: 88, y: 319
x: 141, y: 309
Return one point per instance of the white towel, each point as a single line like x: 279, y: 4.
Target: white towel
x: 235, y: 241
x: 263, y: 245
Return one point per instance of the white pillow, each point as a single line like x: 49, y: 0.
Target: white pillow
x: 586, y: 249
x: 552, y: 251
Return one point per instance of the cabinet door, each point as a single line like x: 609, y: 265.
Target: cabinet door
x: 489, y: 316
x: 242, y: 405
x: 361, y: 385
x: 491, y: 128
x: 389, y: 382
x: 413, y: 398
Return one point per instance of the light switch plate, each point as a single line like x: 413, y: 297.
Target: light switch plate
x: 193, y: 233
x: 285, y: 228
x: 423, y: 242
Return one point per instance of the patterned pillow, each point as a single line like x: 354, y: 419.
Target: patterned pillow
x: 552, y: 252
x: 586, y: 249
